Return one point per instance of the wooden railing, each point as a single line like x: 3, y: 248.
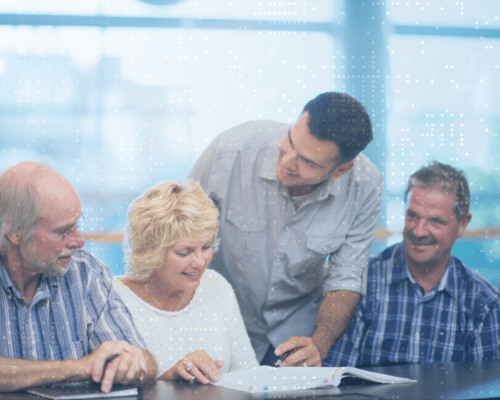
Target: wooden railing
x: 486, y: 233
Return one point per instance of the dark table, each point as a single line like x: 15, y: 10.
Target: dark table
x: 434, y: 381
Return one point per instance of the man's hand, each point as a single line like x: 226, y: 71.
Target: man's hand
x: 305, y: 353
x: 114, y: 362
x: 333, y: 317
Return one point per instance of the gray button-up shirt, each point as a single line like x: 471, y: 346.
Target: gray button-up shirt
x: 281, y: 261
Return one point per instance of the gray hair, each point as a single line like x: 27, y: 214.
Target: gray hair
x: 20, y: 209
x: 446, y: 179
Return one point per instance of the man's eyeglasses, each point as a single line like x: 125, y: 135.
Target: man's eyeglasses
x: 64, y: 234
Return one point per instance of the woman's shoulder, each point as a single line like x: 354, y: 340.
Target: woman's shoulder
x: 213, y: 280
x: 213, y: 276
x: 118, y: 282
x: 121, y: 287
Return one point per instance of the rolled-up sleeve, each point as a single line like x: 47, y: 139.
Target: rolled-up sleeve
x: 347, y: 266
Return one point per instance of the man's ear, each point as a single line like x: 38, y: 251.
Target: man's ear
x: 14, y: 238
x: 463, y: 224
x: 341, y: 169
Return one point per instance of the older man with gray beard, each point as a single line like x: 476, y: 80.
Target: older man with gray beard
x: 60, y: 318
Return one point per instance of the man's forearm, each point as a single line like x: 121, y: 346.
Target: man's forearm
x: 16, y: 374
x: 334, y: 315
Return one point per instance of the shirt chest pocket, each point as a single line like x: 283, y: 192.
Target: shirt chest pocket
x: 311, y: 260
x: 244, y: 233
x: 324, y: 245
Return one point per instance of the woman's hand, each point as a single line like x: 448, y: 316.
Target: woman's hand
x: 196, y: 365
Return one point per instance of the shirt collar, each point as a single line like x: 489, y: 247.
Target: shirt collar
x: 45, y: 286
x: 270, y: 163
x: 400, y: 272
x: 451, y: 279
x: 5, y: 280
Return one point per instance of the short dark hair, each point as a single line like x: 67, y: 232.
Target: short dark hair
x: 340, y: 118
x: 447, y: 179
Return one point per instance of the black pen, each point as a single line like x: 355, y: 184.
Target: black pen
x: 282, y: 357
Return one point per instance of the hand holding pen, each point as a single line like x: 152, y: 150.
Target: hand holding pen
x: 298, y: 351
x: 282, y: 357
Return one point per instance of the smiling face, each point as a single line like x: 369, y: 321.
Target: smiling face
x: 306, y: 161
x: 185, y: 263
x: 431, y: 229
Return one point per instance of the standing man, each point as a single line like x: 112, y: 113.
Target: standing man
x: 299, y: 210
x: 59, y: 316
x: 423, y: 305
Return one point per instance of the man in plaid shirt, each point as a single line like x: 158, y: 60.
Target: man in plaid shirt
x: 422, y: 304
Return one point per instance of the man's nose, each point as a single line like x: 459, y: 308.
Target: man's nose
x: 289, y: 160
x: 420, y: 229
x: 75, y: 239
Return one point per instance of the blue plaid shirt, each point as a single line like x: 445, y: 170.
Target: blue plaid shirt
x: 396, y: 323
x: 69, y: 316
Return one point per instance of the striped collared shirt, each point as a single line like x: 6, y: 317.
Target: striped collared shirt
x: 69, y: 316
x: 397, y: 323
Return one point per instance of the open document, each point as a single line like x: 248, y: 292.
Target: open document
x: 271, y: 379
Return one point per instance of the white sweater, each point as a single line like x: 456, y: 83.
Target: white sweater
x: 211, y: 321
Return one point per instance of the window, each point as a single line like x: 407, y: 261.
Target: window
x: 120, y: 94
x: 443, y: 82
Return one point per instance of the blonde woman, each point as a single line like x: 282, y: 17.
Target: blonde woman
x: 188, y: 316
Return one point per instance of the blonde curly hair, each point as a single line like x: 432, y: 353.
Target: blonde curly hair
x: 159, y: 218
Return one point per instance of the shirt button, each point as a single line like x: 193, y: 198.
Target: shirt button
x: 33, y: 354
x: 417, y: 335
